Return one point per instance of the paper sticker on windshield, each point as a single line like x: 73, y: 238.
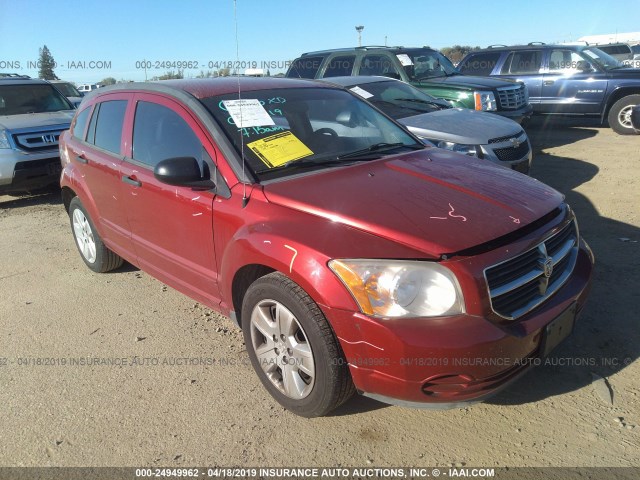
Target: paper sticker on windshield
x: 405, y: 59
x: 279, y: 149
x: 362, y: 92
x: 591, y: 54
x: 248, y: 113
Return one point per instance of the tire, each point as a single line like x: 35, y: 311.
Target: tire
x: 620, y: 115
x: 293, y: 349
x: 93, y: 251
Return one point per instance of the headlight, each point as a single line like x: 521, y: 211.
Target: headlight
x: 472, y: 150
x: 396, y: 288
x: 4, y: 141
x: 485, y: 101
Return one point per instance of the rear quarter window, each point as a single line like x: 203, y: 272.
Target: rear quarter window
x: 481, y: 64
x: 80, y: 124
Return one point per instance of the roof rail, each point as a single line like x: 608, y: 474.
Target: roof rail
x: 13, y: 75
x: 364, y: 47
x: 536, y: 43
x: 497, y: 45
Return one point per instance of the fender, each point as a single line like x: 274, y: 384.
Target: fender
x: 303, y: 264
x: 622, y: 89
x: 69, y: 180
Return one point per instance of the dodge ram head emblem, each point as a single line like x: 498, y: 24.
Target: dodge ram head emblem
x: 546, y: 265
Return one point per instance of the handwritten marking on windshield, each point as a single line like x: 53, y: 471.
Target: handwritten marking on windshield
x: 451, y: 214
x: 515, y: 220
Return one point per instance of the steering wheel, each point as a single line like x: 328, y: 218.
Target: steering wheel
x: 326, y: 131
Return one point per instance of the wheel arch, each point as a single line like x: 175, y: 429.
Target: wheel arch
x: 262, y: 255
x: 616, y: 95
x: 67, y: 195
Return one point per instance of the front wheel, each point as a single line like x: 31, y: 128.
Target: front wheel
x: 92, y: 250
x: 620, y: 115
x: 292, y: 347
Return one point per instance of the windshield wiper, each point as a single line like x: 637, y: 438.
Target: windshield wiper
x: 379, y: 147
x: 419, y: 100
x: 302, y: 164
x: 395, y: 105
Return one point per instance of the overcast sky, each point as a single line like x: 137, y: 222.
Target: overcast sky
x: 91, y: 40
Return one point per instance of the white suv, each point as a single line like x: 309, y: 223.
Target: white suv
x: 33, y: 114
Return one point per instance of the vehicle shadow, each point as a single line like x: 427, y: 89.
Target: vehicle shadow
x: 605, y: 339
x: 44, y: 197
x: 358, y: 404
x: 549, y: 131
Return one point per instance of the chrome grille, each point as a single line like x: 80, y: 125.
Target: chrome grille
x: 40, y: 140
x: 520, y: 284
x: 512, y: 98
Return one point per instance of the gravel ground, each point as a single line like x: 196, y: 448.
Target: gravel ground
x: 583, y: 410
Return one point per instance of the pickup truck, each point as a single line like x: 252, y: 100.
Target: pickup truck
x: 565, y: 80
x: 424, y: 68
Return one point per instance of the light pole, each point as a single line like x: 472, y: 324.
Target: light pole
x: 359, y: 29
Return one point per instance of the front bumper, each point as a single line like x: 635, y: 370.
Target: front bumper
x: 23, y: 173
x: 449, y: 362
x: 516, y: 156
x: 520, y: 115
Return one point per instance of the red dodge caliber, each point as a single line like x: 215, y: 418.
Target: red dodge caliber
x: 353, y: 257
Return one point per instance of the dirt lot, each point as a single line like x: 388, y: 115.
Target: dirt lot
x: 52, y: 306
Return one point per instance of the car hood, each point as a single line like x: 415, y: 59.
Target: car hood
x: 624, y: 73
x: 36, y: 120
x: 461, y: 125
x: 470, y: 81
x: 434, y: 201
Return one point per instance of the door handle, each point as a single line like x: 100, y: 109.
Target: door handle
x: 80, y: 158
x: 548, y: 82
x: 131, y: 181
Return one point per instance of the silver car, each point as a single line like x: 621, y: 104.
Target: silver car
x: 473, y: 133
x: 68, y: 90
x: 33, y: 114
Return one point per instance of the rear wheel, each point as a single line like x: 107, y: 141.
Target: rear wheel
x: 92, y: 250
x: 620, y: 115
x: 292, y: 347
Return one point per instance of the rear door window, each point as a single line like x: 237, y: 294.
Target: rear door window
x: 522, y: 62
x: 340, y: 66
x: 105, y: 129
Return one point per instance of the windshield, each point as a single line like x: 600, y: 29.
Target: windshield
x: 37, y: 98
x: 398, y: 99
x: 315, y: 127
x: 601, y: 59
x: 425, y: 63
x: 67, y: 89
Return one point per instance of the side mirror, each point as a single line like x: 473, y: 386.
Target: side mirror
x: 182, y: 172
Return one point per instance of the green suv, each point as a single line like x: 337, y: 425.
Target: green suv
x: 424, y: 68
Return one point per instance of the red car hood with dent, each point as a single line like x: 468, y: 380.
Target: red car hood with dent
x: 432, y: 200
